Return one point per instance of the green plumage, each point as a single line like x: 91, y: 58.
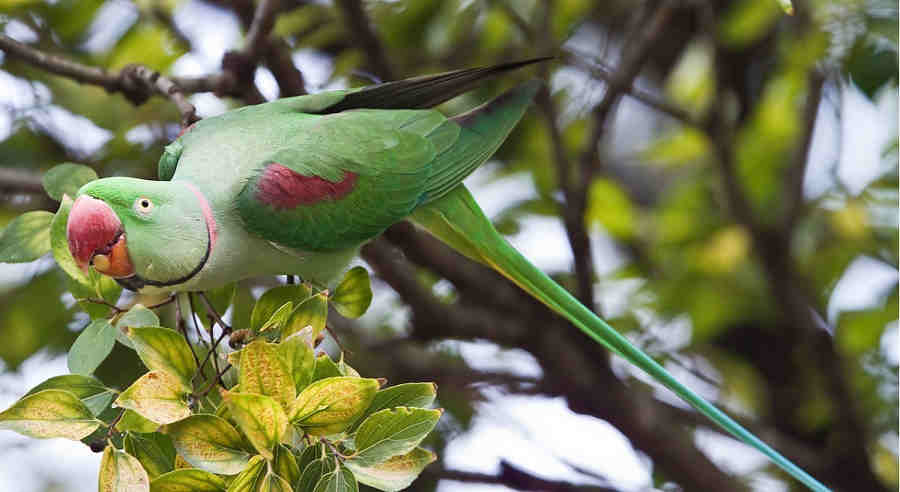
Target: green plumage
x: 298, y: 185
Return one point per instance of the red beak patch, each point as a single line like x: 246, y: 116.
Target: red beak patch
x: 96, y: 237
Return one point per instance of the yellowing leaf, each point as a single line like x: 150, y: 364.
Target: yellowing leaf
x: 260, y: 418
x: 157, y: 396
x: 353, y: 294
x: 263, y: 372
x: 162, y: 349
x: 66, y: 179
x: 298, y: 355
x: 120, y: 471
x: 209, y: 443
x: 396, y: 473
x: 50, y: 413
x: 392, y: 432
x: 90, y: 391
x: 187, y: 480
x: 330, y: 405
x: 26, y: 238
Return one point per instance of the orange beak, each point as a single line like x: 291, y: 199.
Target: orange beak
x: 96, y: 238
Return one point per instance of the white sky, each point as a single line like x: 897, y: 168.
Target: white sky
x: 537, y: 433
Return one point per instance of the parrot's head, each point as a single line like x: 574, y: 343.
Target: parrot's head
x: 140, y: 232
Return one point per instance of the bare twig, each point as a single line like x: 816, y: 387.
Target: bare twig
x: 365, y: 38
x: 601, y: 72
x: 258, y: 33
x: 215, y: 314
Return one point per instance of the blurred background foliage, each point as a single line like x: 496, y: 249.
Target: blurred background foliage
x: 745, y: 188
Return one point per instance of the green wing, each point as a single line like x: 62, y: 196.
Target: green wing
x: 345, y: 179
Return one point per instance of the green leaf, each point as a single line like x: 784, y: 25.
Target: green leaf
x: 330, y: 405
x: 154, y: 451
x: 210, y: 443
x: 133, y: 422
x: 345, y: 368
x: 314, y: 471
x: 396, y: 473
x: 325, y: 368
x: 157, y: 396
x: 50, y: 413
x: 401, y: 395
x: 298, y: 355
x: 310, y: 454
x: 90, y: 391
x: 162, y: 349
x: 275, y: 298
x: 392, y: 432
x: 26, y: 238
x: 285, y: 464
x: 312, y: 312
x: 264, y: 372
x: 279, y: 318
x: 354, y: 294
x: 92, y: 347
x: 187, y: 480
x: 120, y: 471
x: 136, y: 317
x: 340, y: 480
x: 66, y: 179
x: 272, y: 482
x: 248, y: 480
x: 609, y: 207
x: 260, y: 418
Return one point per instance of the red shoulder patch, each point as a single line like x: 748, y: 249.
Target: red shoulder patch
x: 283, y: 188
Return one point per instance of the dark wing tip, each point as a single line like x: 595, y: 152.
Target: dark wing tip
x: 425, y: 91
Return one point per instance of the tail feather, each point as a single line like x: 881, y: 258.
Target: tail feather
x: 457, y: 220
x: 481, y: 131
x: 423, y: 92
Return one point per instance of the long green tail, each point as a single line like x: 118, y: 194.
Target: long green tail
x: 457, y: 220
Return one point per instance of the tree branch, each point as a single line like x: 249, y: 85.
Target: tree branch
x: 793, y: 196
x: 136, y: 82
x: 365, y: 38
x: 517, y: 478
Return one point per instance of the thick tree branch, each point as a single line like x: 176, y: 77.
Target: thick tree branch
x: 793, y: 196
x: 136, y: 82
x: 517, y: 478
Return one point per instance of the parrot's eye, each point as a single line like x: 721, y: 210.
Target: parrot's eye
x: 143, y: 206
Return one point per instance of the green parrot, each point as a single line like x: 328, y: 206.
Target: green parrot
x: 298, y: 185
